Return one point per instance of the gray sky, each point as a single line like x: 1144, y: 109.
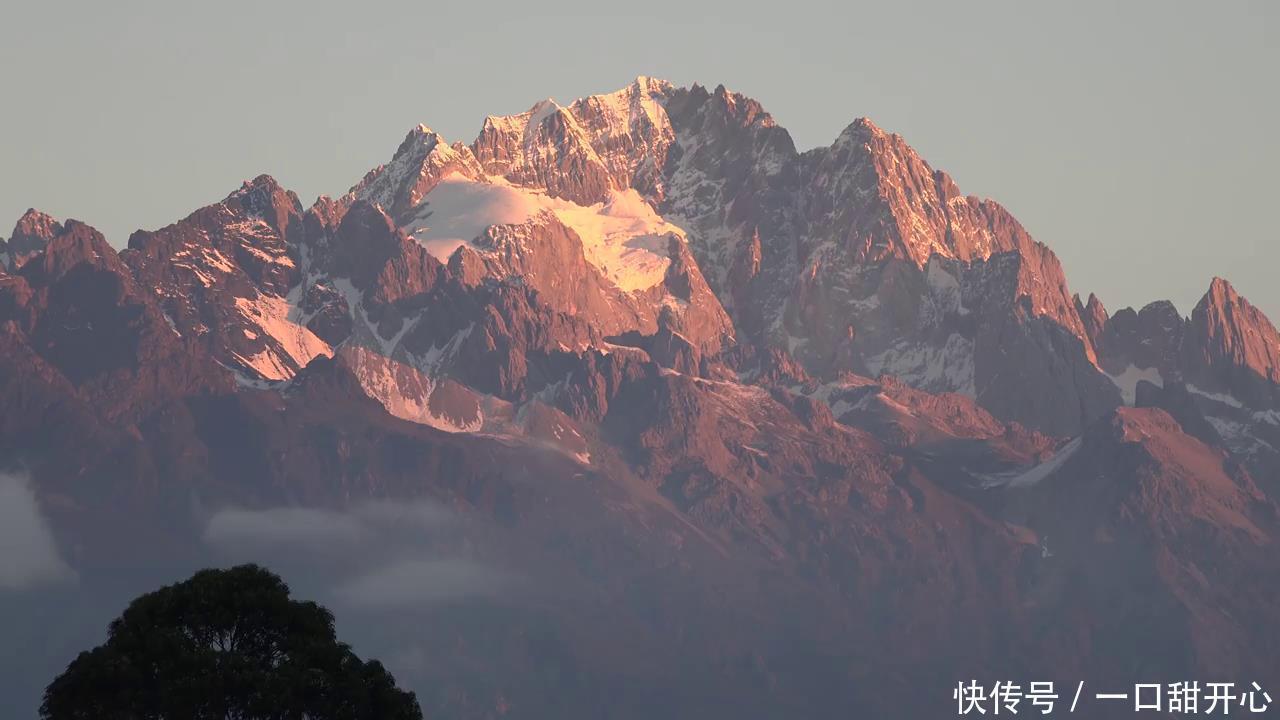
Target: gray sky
x: 1138, y: 139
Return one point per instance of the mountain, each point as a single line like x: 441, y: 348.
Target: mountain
x: 1214, y: 371
x: 704, y: 425
x: 1136, y: 497
x: 31, y: 234
x: 860, y: 257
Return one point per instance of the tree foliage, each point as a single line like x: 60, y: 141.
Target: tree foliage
x: 225, y: 645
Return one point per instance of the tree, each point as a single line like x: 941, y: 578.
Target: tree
x: 225, y: 645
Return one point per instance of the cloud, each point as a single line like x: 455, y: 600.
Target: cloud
x: 378, y: 555
x: 282, y: 526
x: 315, y: 528
x: 28, y: 552
x: 412, y: 583
x: 419, y: 515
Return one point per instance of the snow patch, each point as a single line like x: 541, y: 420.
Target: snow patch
x: 1239, y: 436
x: 458, y: 210
x: 623, y: 237
x: 365, y: 331
x: 538, y: 113
x: 1026, y: 477
x: 1271, y: 417
x: 403, y: 390
x: 944, y: 288
x: 210, y: 258
x: 1128, y: 380
x: 274, y: 316
x: 927, y: 367
x: 1229, y: 400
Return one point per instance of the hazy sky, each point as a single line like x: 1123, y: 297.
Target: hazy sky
x: 1139, y: 140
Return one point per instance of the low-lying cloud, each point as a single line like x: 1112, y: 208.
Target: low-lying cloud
x: 384, y: 568
x: 411, y: 583
x: 29, y: 554
x: 281, y: 526
x: 314, y: 527
x: 377, y: 555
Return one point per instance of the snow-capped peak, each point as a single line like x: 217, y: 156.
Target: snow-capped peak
x: 540, y: 111
x: 860, y: 131
x: 583, y: 151
x: 650, y: 84
x: 423, y: 158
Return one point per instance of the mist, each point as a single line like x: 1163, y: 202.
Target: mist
x: 29, y: 556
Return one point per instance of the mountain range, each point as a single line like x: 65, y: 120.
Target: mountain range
x: 728, y: 428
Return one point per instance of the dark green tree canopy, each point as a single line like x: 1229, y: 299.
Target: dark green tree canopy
x: 225, y: 645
